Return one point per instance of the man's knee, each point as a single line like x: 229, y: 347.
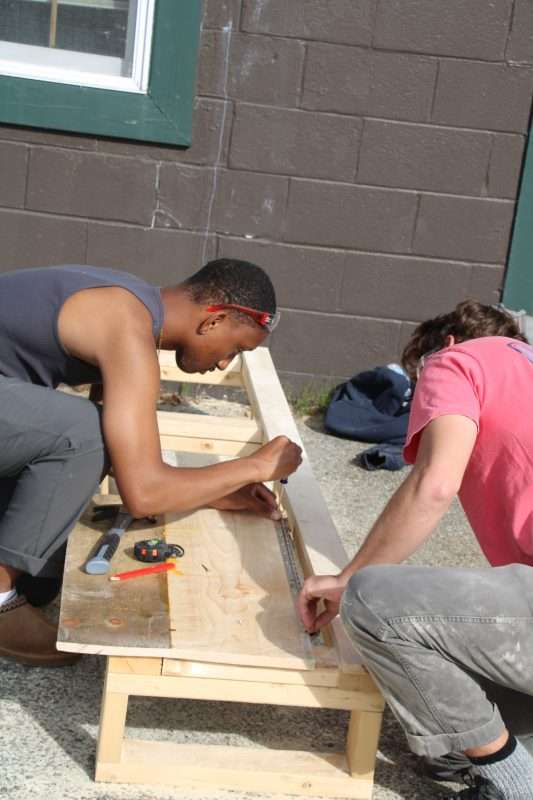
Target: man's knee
x: 83, y: 438
x: 366, y: 597
x: 83, y: 427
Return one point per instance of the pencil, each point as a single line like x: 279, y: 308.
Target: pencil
x: 136, y: 573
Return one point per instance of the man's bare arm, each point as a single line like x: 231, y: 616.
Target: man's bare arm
x: 117, y: 337
x: 408, y: 518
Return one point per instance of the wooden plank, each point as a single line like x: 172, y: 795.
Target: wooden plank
x: 246, y: 614
x: 205, y: 433
x: 209, y: 446
x: 319, y: 545
x: 325, y: 552
x: 361, y: 682
x: 231, y: 376
x: 213, y: 768
x: 277, y: 694
x: 209, y: 426
x: 134, y: 666
x: 96, y: 613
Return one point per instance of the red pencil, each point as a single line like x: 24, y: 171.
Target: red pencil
x: 164, y: 566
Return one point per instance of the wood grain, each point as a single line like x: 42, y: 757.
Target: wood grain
x: 232, y: 603
x: 97, y: 614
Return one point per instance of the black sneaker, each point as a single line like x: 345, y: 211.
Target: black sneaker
x: 450, y: 768
x: 479, y: 789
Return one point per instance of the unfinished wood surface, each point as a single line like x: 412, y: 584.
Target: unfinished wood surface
x: 319, y: 676
x: 134, y: 666
x: 204, y: 433
x: 237, y: 691
x: 212, y: 768
x: 229, y: 601
x: 231, y: 376
x: 187, y: 444
x: 362, y: 743
x: 112, y: 721
x: 232, y: 603
x: 319, y: 547
x: 98, y: 615
x: 324, y: 550
x: 209, y: 426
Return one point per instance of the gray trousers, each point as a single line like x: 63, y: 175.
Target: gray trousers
x: 451, y: 649
x: 52, y: 457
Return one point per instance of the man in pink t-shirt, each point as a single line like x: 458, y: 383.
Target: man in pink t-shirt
x: 443, y: 644
x: 489, y: 382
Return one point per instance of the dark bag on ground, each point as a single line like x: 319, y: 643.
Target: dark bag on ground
x: 373, y: 406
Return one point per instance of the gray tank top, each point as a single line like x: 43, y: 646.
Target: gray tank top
x: 30, y: 302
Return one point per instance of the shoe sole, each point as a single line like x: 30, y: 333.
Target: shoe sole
x: 41, y: 661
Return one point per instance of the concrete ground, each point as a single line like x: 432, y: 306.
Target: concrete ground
x: 49, y: 718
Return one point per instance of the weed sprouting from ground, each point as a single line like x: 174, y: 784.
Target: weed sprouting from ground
x: 309, y: 400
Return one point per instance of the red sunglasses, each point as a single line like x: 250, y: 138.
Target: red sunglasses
x: 263, y: 318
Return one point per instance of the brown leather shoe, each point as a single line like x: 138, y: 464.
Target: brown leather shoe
x: 26, y: 636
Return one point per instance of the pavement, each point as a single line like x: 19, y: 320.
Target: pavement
x: 49, y: 717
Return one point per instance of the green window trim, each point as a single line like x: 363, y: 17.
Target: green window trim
x: 162, y: 115
x: 518, y: 288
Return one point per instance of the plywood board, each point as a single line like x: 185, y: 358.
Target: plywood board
x: 98, y: 615
x: 232, y: 603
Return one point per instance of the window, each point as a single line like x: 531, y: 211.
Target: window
x: 112, y: 67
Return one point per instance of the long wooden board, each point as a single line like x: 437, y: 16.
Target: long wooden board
x: 319, y: 546
x: 205, y: 767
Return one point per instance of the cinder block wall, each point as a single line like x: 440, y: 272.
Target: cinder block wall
x: 365, y: 152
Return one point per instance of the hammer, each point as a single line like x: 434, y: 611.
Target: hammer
x: 98, y: 564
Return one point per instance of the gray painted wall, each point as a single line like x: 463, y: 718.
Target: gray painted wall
x: 365, y: 152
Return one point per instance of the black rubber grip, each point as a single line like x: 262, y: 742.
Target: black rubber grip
x: 110, y: 542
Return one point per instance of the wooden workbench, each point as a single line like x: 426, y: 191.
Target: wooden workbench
x: 223, y: 627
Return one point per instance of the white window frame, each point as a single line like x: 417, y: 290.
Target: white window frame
x: 85, y: 69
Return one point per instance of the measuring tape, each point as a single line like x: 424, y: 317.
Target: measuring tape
x: 150, y: 550
x: 294, y: 577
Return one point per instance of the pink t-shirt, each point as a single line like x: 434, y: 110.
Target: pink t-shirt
x: 488, y: 380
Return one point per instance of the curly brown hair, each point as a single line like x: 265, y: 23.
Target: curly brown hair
x: 468, y: 320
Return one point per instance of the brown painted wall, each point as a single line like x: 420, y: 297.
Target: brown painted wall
x: 365, y: 152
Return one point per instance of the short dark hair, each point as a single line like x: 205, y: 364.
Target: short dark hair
x: 469, y: 320
x: 230, y: 280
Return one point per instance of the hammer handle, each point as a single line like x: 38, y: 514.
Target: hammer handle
x: 98, y: 564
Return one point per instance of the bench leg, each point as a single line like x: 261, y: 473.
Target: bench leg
x: 362, y: 743
x: 111, y: 731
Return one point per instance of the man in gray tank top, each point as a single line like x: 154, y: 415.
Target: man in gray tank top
x: 78, y: 324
